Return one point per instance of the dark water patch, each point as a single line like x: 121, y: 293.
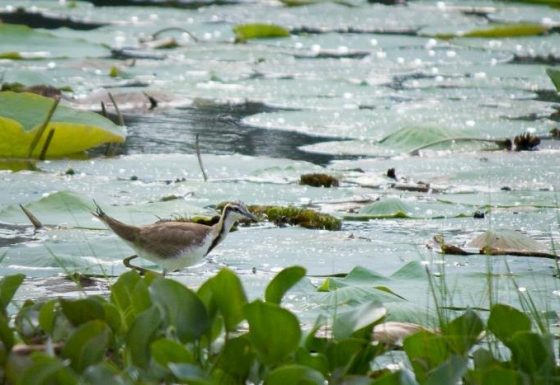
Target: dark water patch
x: 14, y: 234
x: 305, y: 30
x: 549, y: 59
x: 549, y: 96
x: 40, y: 20
x: 220, y: 132
x: 184, y: 4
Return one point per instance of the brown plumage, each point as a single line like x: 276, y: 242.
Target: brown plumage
x: 174, y: 245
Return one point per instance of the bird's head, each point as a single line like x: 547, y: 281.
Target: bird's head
x: 235, y: 211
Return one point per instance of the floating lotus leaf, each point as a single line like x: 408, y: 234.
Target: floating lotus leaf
x: 19, y: 42
x: 501, y: 31
x: 554, y: 75
x: 245, y: 32
x: 506, y: 240
x: 22, y: 114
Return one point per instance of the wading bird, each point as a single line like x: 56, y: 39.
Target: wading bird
x: 173, y: 244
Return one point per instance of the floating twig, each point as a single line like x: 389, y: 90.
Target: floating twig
x: 46, y: 145
x: 157, y: 33
x: 199, y: 157
x: 43, y: 127
x: 32, y: 218
x: 103, y: 110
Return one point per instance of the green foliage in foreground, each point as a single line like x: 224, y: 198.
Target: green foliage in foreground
x: 154, y: 330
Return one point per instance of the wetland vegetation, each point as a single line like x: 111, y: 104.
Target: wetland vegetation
x: 402, y: 157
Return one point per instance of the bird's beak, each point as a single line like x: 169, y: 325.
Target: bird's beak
x: 250, y: 215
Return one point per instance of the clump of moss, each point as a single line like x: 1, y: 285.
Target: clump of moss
x: 307, y: 218
x: 318, y: 180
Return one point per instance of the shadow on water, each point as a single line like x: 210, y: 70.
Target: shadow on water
x: 220, y: 132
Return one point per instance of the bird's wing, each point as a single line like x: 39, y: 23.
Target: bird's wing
x: 168, y: 239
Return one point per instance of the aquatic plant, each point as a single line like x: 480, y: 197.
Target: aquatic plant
x: 153, y: 330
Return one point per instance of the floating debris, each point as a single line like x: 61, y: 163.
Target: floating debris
x: 498, y: 242
x: 526, y: 142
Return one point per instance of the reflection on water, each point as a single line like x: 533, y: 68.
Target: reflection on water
x: 220, y: 131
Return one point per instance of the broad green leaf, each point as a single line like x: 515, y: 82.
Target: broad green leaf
x: 47, y: 316
x: 244, y: 32
x: 229, y: 297
x: 361, y: 317
x: 505, y: 321
x: 112, y: 317
x: 554, y: 75
x: 483, y: 359
x: 356, y: 295
x: 275, y: 332
x: 27, y: 321
x: 359, y: 276
x: 426, y: 351
x: 21, y: 42
x: 282, y: 282
x: 103, y: 373
x: 500, y: 376
x: 341, y: 353
x: 294, y: 374
x: 88, y: 345
x: 8, y: 287
x: 130, y: 295
x: 165, y: 351
x: 463, y: 332
x: 80, y: 311
x: 313, y: 360
x: 449, y: 372
x: 502, y: 31
x: 412, y: 270
x: 141, y: 334
x: 236, y: 358
x: 400, y: 377
x: 191, y: 374
x: 21, y: 115
x: 6, y: 338
x: 46, y: 370
x: 532, y: 353
x: 180, y: 308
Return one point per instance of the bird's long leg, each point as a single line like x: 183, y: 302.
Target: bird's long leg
x: 139, y: 269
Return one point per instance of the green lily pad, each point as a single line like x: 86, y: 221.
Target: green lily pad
x: 19, y: 42
x: 244, y: 32
x: 554, y: 75
x: 21, y: 115
x: 501, y: 31
x: 395, y: 208
x: 506, y: 240
x: 408, y: 139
